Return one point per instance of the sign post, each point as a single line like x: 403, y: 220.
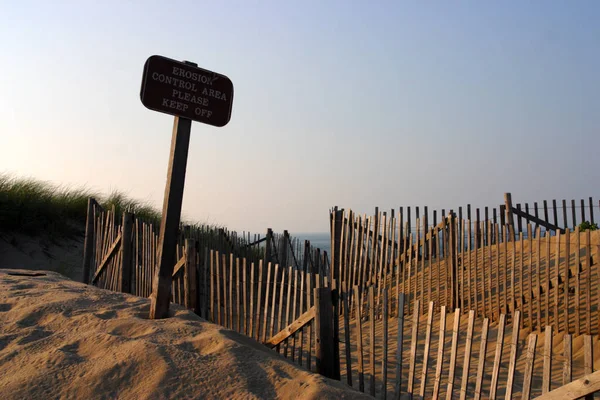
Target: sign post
x: 190, y: 94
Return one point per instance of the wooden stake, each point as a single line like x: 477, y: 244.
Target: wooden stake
x: 171, y: 213
x: 482, y: 354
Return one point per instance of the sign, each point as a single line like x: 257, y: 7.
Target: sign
x: 176, y: 88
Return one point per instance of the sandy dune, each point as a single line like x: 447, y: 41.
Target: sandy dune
x: 63, y: 339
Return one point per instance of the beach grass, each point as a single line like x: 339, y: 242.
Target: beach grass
x: 33, y: 207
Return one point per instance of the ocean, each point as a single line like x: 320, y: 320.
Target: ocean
x: 317, y: 240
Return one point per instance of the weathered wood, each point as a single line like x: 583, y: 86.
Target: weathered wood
x: 292, y: 328
x: 588, y: 283
x: 259, y: 305
x: 588, y: 360
x: 467, y: 359
x: 88, y: 241
x: 272, y: 325
x: 469, y: 264
x: 509, y: 213
x: 266, y: 330
x: 371, y: 306
x: 281, y: 297
x: 230, y: 301
x: 399, y: 342
x: 310, y: 327
x: 336, y: 329
x: 238, y: 299
x: 482, y: 354
x: 179, y: 266
x: 384, y: 360
x: 585, y: 386
x: 547, y: 372
x: 114, y: 248
x: 346, y: 339
x: 588, y: 355
x: 513, y: 266
x: 535, y: 219
x: 440, y: 354
x: 426, y: 350
x: 359, y: 348
x: 529, y: 363
x: 324, y: 333
x: 514, y: 347
x: 171, y: 213
x: 453, y: 355
x: 497, y: 357
x: 212, y: 276
x: 126, y: 268
x: 537, y: 273
x: 577, y: 282
x: 287, y: 307
x: 566, y: 280
x: 336, y: 242
x: 567, y: 375
x: 413, y: 349
x: 191, y: 278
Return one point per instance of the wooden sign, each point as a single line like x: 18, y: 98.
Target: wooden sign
x: 184, y: 90
x: 190, y: 94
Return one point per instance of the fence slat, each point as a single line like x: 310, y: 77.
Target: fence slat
x: 467, y: 359
x: 399, y: 338
x: 371, y: 341
x: 514, y: 347
x: 497, y: 357
x: 346, y: 311
x: 567, y: 376
x: 426, y: 351
x: 413, y: 349
x: 588, y: 359
x: 287, y: 307
x: 384, y: 369
x: 577, y: 282
x: 482, y: 354
x: 359, y: 349
x: 440, y: 355
x: 453, y: 354
x: 529, y: 363
x: 566, y: 284
x: 547, y: 373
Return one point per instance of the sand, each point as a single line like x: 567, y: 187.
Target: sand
x: 64, y: 256
x: 63, y: 339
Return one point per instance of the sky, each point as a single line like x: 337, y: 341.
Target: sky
x: 350, y: 103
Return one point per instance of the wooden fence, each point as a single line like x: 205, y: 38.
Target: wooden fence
x: 553, y: 279
x: 524, y: 310
x: 544, y: 214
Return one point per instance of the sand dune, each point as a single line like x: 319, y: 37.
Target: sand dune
x: 63, y: 339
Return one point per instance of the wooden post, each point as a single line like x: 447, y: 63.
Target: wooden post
x: 268, y: 241
x: 88, y: 243
x: 171, y: 214
x: 509, y: 215
x: 336, y: 242
x: 324, y: 353
x: 283, y: 247
x: 454, y: 301
x: 126, y: 254
x: 192, y: 276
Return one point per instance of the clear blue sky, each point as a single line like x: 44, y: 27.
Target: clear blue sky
x: 350, y: 103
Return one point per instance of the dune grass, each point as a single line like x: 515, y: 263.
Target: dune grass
x: 34, y: 207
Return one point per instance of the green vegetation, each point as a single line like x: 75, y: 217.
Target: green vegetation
x: 33, y: 207
x: 584, y: 226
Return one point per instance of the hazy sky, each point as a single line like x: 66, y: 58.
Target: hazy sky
x: 350, y: 103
